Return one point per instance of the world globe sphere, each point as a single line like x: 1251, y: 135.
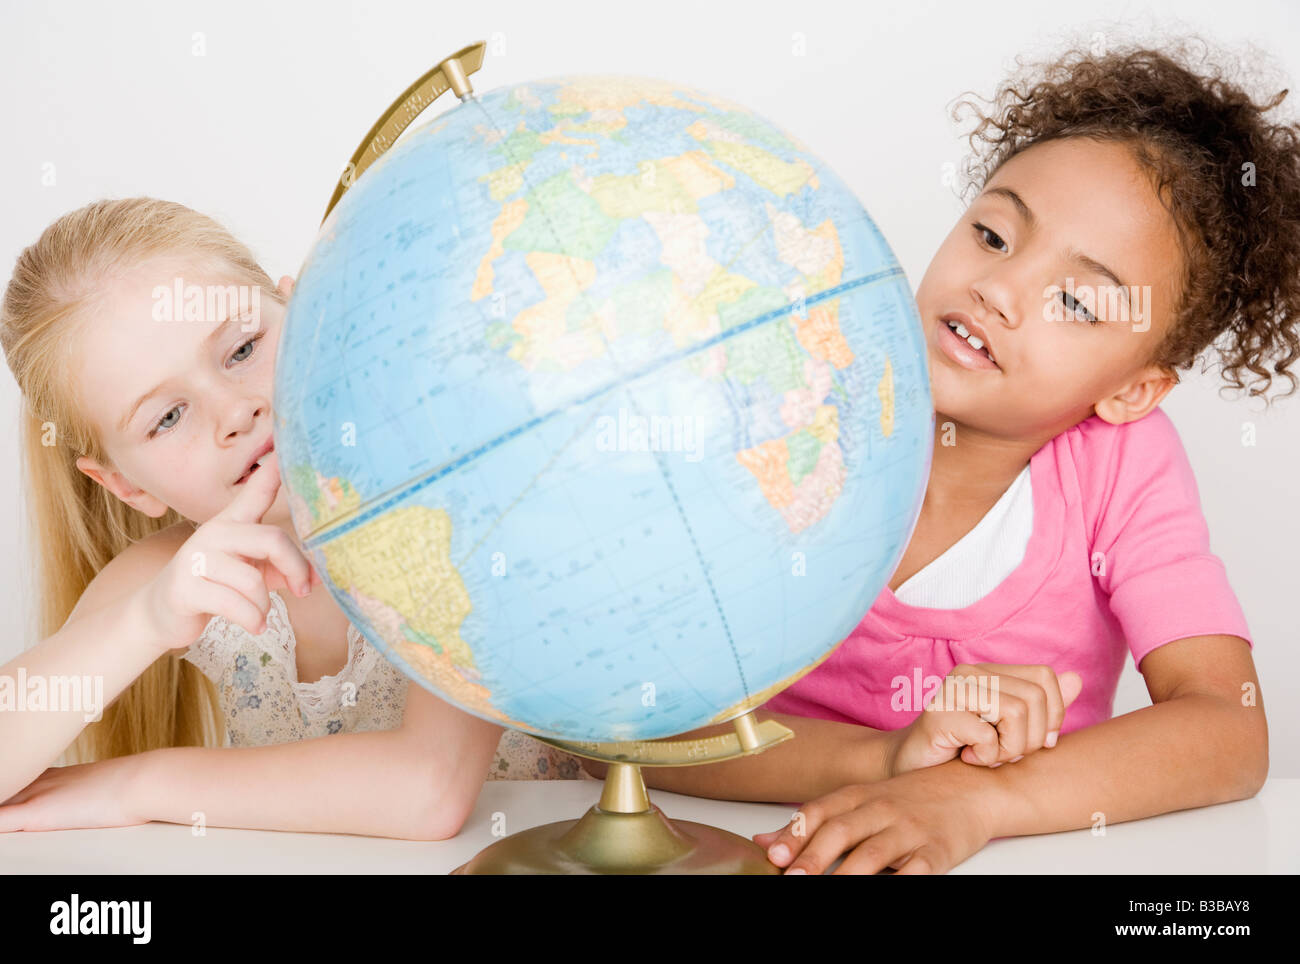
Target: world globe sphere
x: 602, y: 408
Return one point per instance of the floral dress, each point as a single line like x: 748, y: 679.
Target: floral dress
x: 263, y: 702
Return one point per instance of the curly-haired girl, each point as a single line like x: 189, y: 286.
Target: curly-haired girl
x: 1131, y: 214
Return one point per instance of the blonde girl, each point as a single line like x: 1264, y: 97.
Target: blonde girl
x: 168, y: 572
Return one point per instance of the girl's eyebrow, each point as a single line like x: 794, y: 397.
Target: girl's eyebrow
x: 1018, y: 201
x: 1074, y: 255
x: 212, y: 336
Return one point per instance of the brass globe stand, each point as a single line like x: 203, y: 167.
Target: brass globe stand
x: 625, y: 833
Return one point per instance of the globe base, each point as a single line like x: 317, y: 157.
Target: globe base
x: 604, y: 842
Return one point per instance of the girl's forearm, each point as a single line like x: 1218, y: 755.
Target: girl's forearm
x: 51, y: 692
x: 378, y: 783
x: 823, y: 756
x: 1189, y: 751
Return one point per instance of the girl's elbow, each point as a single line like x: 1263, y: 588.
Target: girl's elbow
x: 1244, y: 750
x: 451, y: 776
x: 446, y: 815
x: 1258, y: 774
x: 448, y: 800
x: 1249, y: 767
x: 1257, y: 752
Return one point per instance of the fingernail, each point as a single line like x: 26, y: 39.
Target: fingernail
x: 1051, y: 737
x: 994, y: 766
x: 797, y: 870
x: 779, y: 853
x: 1014, y: 759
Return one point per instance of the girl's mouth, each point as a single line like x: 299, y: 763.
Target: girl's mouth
x: 266, y: 449
x: 961, y: 351
x: 245, y: 477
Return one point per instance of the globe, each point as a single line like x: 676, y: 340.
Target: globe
x: 602, y: 408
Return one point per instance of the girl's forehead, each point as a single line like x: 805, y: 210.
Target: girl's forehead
x: 138, y: 295
x: 1080, y: 179
x: 1096, y: 197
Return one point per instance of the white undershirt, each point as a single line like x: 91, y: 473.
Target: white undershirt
x: 977, y: 562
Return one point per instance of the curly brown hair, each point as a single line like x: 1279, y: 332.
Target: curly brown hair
x: 1229, y: 177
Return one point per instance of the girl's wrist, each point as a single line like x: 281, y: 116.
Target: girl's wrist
x: 142, y: 782
x: 157, y: 786
x: 893, y: 747
x: 877, y: 759
x: 135, y: 610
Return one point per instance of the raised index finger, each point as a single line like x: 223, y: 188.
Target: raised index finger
x: 256, y: 494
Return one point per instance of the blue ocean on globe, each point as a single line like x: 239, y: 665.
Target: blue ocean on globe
x: 602, y: 407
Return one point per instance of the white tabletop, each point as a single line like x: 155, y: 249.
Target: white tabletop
x: 1255, y: 836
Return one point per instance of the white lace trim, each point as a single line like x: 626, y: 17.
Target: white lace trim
x: 221, y: 640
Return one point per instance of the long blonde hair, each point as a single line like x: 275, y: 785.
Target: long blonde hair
x: 77, y: 525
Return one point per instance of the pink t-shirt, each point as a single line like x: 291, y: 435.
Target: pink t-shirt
x: 1119, y: 554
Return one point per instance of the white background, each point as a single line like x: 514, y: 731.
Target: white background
x: 256, y: 130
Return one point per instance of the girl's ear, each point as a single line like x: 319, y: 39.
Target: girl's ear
x: 116, y: 483
x: 286, y: 286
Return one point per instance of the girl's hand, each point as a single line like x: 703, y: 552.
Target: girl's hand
x: 1013, y: 710
x: 227, y: 568
x: 921, y: 822
x: 79, y: 797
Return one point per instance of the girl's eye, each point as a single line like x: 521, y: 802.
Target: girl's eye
x: 251, y: 342
x: 162, y: 423
x: 985, y: 234
x: 238, y: 356
x: 1074, y: 304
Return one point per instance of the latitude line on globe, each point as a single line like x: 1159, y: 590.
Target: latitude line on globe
x: 524, y: 491
x: 387, y: 500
